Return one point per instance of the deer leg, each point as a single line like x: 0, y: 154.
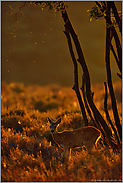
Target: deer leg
x: 65, y: 152
x: 70, y: 153
x: 64, y: 155
x: 88, y: 146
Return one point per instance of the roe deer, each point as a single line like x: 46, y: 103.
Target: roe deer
x: 67, y: 140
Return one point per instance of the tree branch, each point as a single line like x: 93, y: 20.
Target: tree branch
x: 98, y: 117
x: 76, y: 83
x: 115, y: 56
x: 109, y: 79
x: 85, y: 101
x: 118, y: 20
x: 107, y: 115
x: 109, y: 23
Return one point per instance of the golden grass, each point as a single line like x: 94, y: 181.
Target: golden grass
x: 28, y: 152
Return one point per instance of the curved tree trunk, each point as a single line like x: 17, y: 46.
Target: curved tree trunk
x: 98, y: 117
x: 76, y: 83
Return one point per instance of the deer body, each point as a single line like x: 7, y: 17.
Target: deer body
x: 67, y: 140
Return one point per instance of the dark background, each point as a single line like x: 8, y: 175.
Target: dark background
x: 40, y: 51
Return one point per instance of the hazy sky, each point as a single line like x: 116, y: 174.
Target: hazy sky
x: 40, y: 53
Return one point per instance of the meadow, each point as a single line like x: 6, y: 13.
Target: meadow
x: 28, y: 153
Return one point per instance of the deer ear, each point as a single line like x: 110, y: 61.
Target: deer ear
x: 58, y: 121
x: 49, y: 120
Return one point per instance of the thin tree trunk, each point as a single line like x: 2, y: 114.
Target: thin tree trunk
x: 76, y: 83
x: 109, y: 78
x: 118, y: 20
x: 108, y: 117
x: 109, y: 23
x: 117, y: 61
x: 99, y: 119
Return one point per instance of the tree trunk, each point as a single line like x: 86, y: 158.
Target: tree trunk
x: 109, y: 78
x: 99, y: 119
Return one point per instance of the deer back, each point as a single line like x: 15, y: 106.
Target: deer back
x: 76, y: 138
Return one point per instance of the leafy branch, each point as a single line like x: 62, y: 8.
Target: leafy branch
x: 56, y: 6
x: 98, y: 11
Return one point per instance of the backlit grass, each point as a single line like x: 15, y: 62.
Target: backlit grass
x: 28, y: 152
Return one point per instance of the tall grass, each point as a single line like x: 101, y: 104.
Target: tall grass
x: 28, y: 152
